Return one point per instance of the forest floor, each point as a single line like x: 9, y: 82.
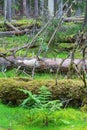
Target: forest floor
x: 17, y: 118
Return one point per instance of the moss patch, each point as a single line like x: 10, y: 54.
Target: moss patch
x: 65, y: 90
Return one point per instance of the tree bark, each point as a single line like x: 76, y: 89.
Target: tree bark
x: 60, y: 8
x: 51, y: 7
x: 8, y: 10
x: 41, y: 65
x: 13, y: 7
x: 25, y: 13
x: 85, y: 20
x: 36, y: 8
x: 79, y: 8
x: 69, y: 11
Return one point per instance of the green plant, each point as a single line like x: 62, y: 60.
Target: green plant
x: 41, y: 101
x: 31, y: 101
x: 44, y: 95
x: 40, y: 105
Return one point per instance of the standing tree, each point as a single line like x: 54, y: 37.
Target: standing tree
x: 79, y: 8
x: 60, y: 8
x: 13, y: 7
x: 42, y: 7
x: 8, y: 10
x: 51, y: 7
x: 24, y: 7
x: 36, y: 8
x: 69, y: 11
x: 85, y: 20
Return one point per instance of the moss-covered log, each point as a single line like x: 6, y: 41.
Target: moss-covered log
x: 66, y: 90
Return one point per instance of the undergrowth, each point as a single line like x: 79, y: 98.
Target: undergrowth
x: 20, y: 118
x: 66, y: 35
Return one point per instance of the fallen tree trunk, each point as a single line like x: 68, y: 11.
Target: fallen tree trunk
x: 70, y: 92
x: 40, y: 65
x: 8, y: 24
x: 11, y: 33
x: 74, y: 19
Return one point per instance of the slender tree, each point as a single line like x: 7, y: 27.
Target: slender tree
x: 85, y: 19
x: 51, y: 7
x: 24, y: 7
x: 13, y: 7
x: 60, y: 8
x: 36, y: 8
x: 79, y: 9
x: 42, y: 7
x: 8, y: 10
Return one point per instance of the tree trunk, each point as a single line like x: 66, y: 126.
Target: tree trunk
x: 41, y: 65
x: 85, y: 20
x: 11, y: 33
x: 69, y: 11
x: 13, y: 7
x: 74, y: 19
x: 24, y: 7
x: 79, y: 9
x: 42, y: 7
x: 51, y: 7
x: 8, y: 10
x: 21, y: 8
x: 36, y: 8
x: 5, y: 9
x: 60, y: 9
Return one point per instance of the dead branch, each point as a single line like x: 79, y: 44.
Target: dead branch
x: 8, y: 24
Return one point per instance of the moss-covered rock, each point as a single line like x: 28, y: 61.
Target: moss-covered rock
x: 71, y: 91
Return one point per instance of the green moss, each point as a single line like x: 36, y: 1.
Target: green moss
x: 21, y: 24
x: 64, y: 90
x: 2, y: 50
x: 18, y: 118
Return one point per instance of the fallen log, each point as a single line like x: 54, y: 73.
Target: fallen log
x: 41, y: 65
x: 8, y: 24
x: 71, y: 92
x: 74, y: 19
x: 11, y: 33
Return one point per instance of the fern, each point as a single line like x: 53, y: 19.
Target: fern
x: 44, y: 95
x: 31, y: 101
x: 53, y: 105
x: 41, y: 101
